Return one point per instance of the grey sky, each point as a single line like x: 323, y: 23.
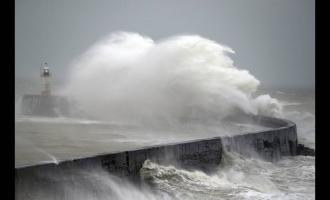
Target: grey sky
x: 273, y: 39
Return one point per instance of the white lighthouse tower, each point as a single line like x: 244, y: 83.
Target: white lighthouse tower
x: 45, y: 76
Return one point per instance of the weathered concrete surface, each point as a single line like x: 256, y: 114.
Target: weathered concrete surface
x: 305, y: 151
x: 271, y: 144
x: 202, y: 154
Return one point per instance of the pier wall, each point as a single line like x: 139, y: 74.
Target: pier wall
x: 43, y: 105
x: 201, y: 154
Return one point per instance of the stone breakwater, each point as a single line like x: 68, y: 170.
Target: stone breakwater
x: 198, y: 154
x: 305, y: 151
x: 42, y: 105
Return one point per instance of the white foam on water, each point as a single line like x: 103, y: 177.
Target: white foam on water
x: 239, y: 178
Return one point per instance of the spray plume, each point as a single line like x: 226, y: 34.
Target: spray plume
x: 129, y: 77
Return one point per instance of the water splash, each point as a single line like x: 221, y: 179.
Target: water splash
x: 52, y: 157
x: 130, y: 77
x: 238, y: 177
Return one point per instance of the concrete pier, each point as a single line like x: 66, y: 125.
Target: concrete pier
x: 200, y: 154
x: 44, y: 105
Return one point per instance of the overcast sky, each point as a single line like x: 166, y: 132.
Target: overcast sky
x: 273, y: 39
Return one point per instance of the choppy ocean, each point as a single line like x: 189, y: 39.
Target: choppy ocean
x: 238, y: 177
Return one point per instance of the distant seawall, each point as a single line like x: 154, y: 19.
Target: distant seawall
x: 201, y: 154
x: 49, y: 106
x: 44, y: 105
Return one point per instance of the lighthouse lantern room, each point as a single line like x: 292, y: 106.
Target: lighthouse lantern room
x: 45, y: 76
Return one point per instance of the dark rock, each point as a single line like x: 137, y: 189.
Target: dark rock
x: 305, y: 151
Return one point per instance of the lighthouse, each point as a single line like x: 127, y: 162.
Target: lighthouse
x: 45, y: 78
x: 47, y: 104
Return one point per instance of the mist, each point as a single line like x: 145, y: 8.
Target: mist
x: 130, y: 77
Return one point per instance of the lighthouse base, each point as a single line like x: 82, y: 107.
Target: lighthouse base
x: 45, y: 105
